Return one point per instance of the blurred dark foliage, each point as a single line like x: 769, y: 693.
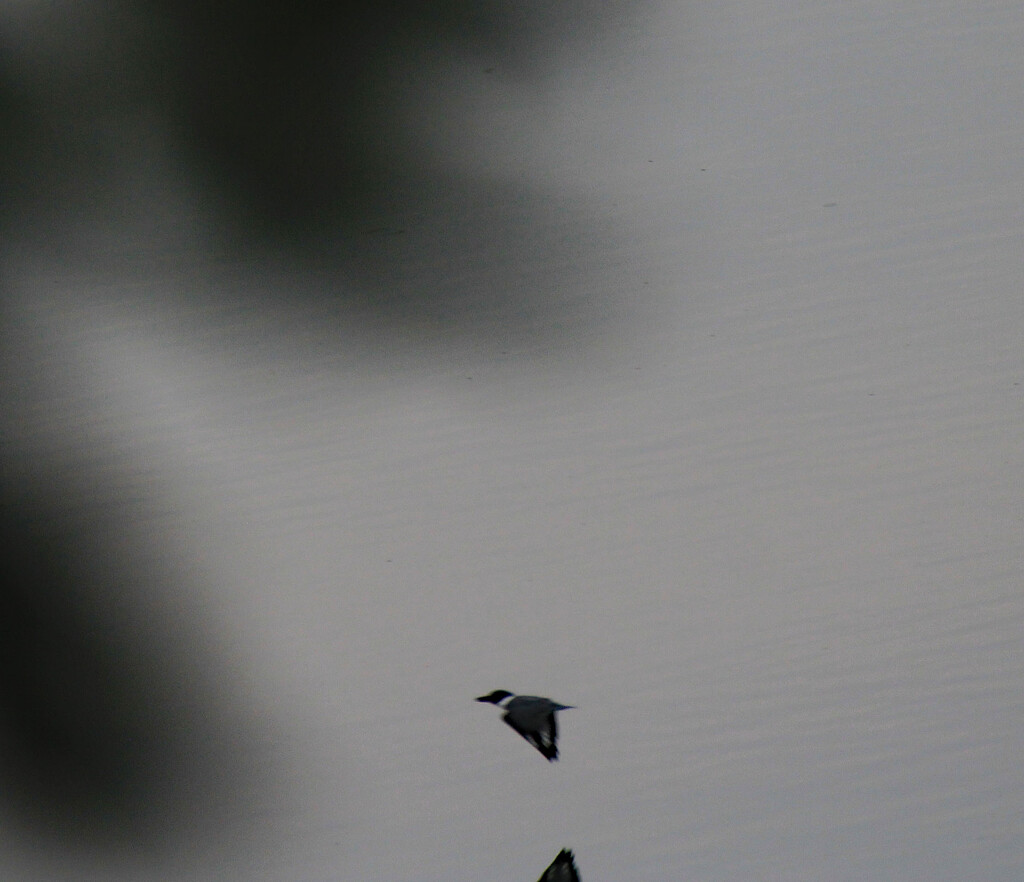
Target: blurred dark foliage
x: 287, y: 105
x: 112, y: 730
x: 286, y: 111
x: 289, y: 122
x: 283, y: 115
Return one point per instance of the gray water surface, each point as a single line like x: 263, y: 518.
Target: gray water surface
x: 745, y: 490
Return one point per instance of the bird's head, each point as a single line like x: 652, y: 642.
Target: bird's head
x: 496, y: 697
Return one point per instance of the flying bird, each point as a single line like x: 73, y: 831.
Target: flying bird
x: 532, y: 717
x: 562, y: 869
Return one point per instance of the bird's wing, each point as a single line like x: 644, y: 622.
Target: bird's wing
x: 542, y: 739
x: 551, y: 738
x: 562, y: 869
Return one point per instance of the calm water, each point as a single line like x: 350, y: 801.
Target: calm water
x: 745, y: 490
